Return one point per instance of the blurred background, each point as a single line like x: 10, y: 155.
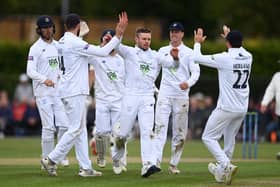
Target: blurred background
x: 256, y: 19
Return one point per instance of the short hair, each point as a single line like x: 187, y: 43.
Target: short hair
x: 142, y: 30
x: 72, y: 20
x: 235, y: 38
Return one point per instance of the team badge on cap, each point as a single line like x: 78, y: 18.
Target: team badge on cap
x: 47, y: 19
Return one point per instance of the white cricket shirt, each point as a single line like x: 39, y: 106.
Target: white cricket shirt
x: 109, y: 77
x: 142, y: 68
x: 42, y: 64
x: 273, y: 91
x: 187, y: 71
x: 234, y: 68
x: 74, y: 54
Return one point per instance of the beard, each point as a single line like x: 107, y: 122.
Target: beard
x: 47, y: 36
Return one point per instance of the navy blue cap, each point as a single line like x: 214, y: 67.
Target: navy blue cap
x: 176, y: 26
x: 72, y: 20
x: 107, y: 31
x: 45, y: 21
x: 234, y: 38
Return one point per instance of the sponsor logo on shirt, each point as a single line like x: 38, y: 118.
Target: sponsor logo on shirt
x: 30, y: 58
x: 53, y: 62
x: 112, y: 75
x: 145, y: 68
x: 173, y: 70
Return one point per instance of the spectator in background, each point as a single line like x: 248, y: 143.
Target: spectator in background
x: 31, y: 119
x: 209, y: 105
x: 197, y: 115
x: 23, y: 93
x: 18, y: 110
x: 5, y: 113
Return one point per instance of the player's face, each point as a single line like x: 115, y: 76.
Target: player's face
x: 47, y: 33
x: 143, y: 40
x: 176, y: 35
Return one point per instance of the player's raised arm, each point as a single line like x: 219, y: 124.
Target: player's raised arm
x: 207, y: 60
x: 121, y: 26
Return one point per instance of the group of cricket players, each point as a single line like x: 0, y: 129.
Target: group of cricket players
x: 124, y: 87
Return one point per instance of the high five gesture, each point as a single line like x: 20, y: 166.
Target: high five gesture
x: 198, y: 35
x: 121, y: 26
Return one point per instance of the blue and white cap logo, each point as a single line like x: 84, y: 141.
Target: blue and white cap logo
x: 47, y: 19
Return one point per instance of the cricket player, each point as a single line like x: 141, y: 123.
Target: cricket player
x: 142, y: 66
x: 173, y: 97
x: 234, y: 68
x: 273, y: 92
x: 109, y: 85
x: 74, y: 89
x: 43, y: 69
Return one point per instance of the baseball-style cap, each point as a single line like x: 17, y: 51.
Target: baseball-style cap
x: 107, y: 31
x: 72, y: 20
x: 176, y: 26
x: 45, y: 21
x: 235, y: 38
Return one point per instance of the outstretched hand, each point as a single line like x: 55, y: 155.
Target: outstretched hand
x: 184, y: 85
x: 198, y: 36
x: 121, y: 26
x: 226, y: 30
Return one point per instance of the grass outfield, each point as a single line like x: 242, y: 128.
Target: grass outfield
x: 20, y: 157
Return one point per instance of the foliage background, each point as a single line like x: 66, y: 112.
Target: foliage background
x: 257, y: 19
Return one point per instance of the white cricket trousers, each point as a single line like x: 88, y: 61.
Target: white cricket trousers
x: 107, y: 116
x: 76, y: 134
x: 107, y: 121
x: 178, y: 108
x: 52, y: 115
x: 220, y: 123
x: 143, y: 107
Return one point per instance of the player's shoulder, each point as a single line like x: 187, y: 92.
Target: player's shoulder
x: 55, y: 42
x: 71, y: 39
x: 37, y: 43
x: 276, y: 75
x: 117, y: 56
x: 154, y: 52
x: 36, y: 47
x: 186, y: 48
x: 164, y: 49
x: 245, y: 52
